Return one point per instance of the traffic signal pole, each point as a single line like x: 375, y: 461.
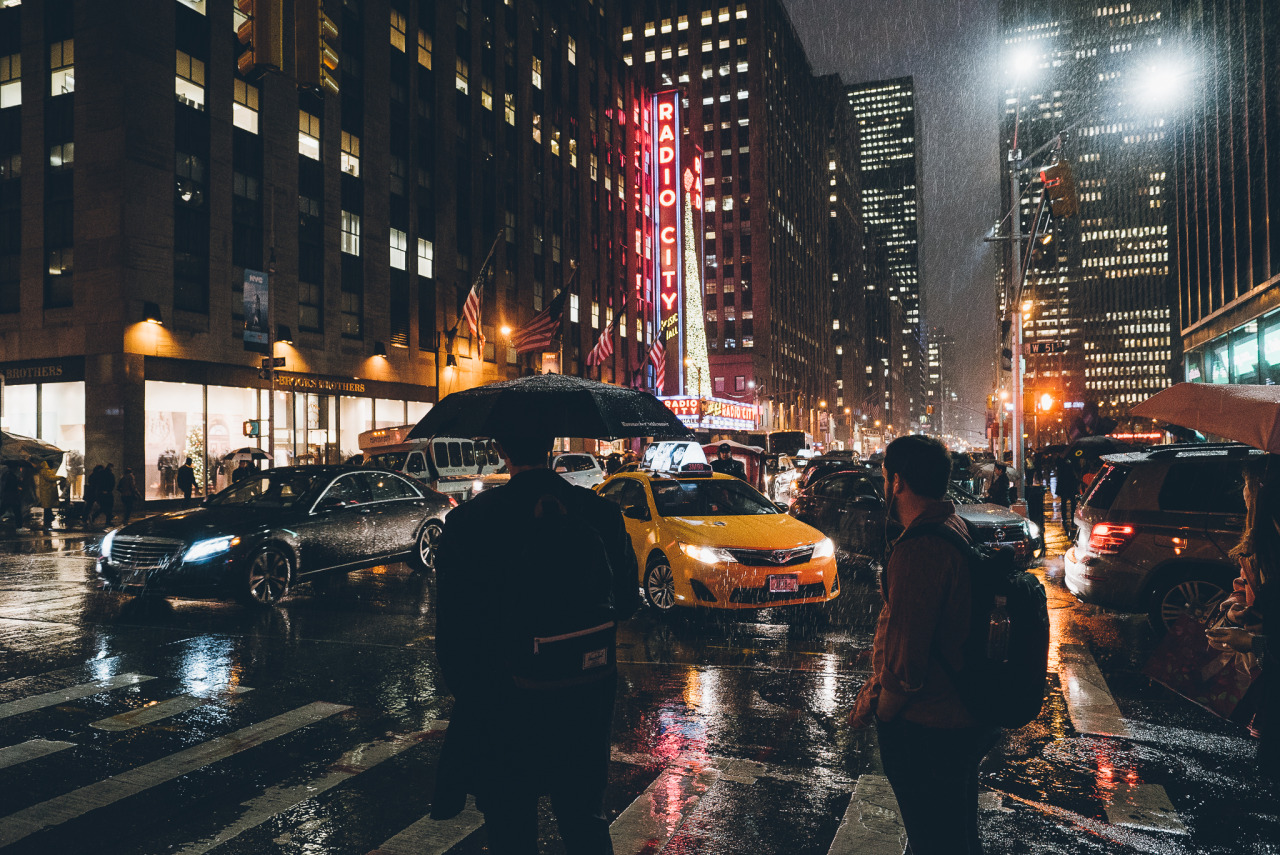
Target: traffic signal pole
x: 1015, y: 293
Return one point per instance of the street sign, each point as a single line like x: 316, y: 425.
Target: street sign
x: 1039, y: 348
x: 269, y: 362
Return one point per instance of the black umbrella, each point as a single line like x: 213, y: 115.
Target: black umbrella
x: 551, y: 405
x: 1096, y: 446
x: 246, y: 453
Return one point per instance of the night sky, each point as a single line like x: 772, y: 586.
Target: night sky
x: 951, y: 47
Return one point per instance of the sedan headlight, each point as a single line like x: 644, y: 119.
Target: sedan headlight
x: 106, y: 543
x: 203, y: 549
x: 707, y: 554
x: 1033, y: 530
x: 824, y: 548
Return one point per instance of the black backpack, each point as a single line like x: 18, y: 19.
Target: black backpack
x: 562, y: 628
x: 1009, y: 693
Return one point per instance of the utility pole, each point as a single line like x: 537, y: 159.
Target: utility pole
x: 1015, y: 294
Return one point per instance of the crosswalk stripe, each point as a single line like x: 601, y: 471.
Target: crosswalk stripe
x: 84, y: 690
x: 872, y: 824
x: 60, y: 809
x: 160, y: 710
x: 1089, y: 702
x: 656, y: 815
x: 431, y: 837
x: 30, y: 750
x: 279, y: 799
x: 1143, y: 806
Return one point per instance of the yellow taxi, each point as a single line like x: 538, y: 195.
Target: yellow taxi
x: 707, y: 539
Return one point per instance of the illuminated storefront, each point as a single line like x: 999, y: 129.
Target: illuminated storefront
x: 1248, y: 354
x: 713, y: 413
x: 45, y: 399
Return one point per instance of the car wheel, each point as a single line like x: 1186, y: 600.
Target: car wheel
x: 660, y: 584
x: 1194, y: 593
x: 268, y: 577
x: 424, y: 555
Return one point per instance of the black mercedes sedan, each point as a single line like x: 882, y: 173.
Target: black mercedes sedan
x: 258, y: 537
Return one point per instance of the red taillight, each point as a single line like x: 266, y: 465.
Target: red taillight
x: 452, y: 501
x: 1108, y: 539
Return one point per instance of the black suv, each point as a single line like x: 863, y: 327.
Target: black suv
x: 1155, y: 529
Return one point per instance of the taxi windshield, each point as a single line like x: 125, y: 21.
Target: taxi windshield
x: 713, y: 497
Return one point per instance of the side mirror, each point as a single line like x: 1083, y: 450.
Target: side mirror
x: 636, y: 512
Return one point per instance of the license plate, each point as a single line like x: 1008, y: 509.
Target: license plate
x: 784, y: 584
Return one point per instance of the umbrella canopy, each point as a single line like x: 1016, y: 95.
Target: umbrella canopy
x: 713, y: 447
x: 1248, y: 414
x: 551, y: 405
x: 246, y: 453
x: 1096, y: 446
x: 15, y: 447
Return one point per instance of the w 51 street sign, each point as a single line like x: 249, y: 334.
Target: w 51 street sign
x: 1038, y: 348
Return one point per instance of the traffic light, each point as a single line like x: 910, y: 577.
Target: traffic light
x: 1044, y: 256
x: 315, y: 46
x: 253, y: 427
x: 261, y: 35
x: 1060, y: 185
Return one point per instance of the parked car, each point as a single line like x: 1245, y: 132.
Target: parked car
x: 780, y: 479
x: 1155, y: 529
x: 711, y: 540
x: 257, y: 538
x: 827, y: 464
x: 578, y: 468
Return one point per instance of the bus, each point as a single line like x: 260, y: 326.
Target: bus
x: 788, y: 442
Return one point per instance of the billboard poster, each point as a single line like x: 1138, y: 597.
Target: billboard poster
x: 256, y: 311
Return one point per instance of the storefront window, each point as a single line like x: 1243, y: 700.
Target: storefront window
x: 1270, y: 367
x: 20, y: 412
x: 174, y: 431
x: 417, y: 409
x: 354, y: 415
x: 1244, y: 355
x: 62, y: 424
x: 229, y: 409
x: 388, y: 413
x: 1218, y: 362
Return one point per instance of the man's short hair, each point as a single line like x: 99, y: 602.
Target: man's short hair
x: 922, y: 461
x: 526, y: 449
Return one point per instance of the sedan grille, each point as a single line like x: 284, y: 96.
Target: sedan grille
x: 129, y: 552
x: 772, y: 557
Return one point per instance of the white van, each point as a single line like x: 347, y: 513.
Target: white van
x: 448, y: 464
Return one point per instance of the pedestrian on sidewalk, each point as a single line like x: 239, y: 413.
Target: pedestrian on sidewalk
x: 1251, y: 601
x: 128, y: 490
x: 46, y: 493
x: 930, y: 745
x: 11, y: 493
x: 107, y: 493
x: 515, y: 733
x: 186, y: 479
x: 92, y: 487
x: 1068, y: 486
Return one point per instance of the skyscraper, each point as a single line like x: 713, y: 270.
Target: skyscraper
x: 889, y: 152
x: 1102, y: 286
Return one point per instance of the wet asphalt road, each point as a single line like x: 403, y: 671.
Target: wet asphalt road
x: 130, y: 726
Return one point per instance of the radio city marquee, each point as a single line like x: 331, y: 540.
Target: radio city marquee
x: 713, y: 413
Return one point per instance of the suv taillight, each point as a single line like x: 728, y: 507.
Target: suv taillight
x: 1108, y: 538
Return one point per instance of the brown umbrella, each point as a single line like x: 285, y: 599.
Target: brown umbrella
x: 1248, y: 414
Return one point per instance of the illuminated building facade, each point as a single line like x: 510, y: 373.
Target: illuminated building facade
x: 1226, y: 195
x: 889, y: 158
x: 752, y: 102
x: 371, y: 210
x: 1103, y: 287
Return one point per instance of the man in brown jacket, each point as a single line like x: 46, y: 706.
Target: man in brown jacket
x: 930, y: 746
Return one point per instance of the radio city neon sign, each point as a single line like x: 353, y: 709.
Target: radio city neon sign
x: 668, y: 204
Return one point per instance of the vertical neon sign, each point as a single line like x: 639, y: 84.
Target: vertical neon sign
x: 670, y: 255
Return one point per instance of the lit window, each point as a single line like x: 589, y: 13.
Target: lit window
x: 350, y: 233
x: 573, y: 51
x: 486, y: 92
x: 650, y: 56
x: 595, y: 315
x: 666, y: 25
x: 537, y: 73
x: 189, y: 84
x: 62, y: 67
x: 537, y: 127
x: 62, y: 157
x: 244, y: 107
x: 509, y: 108
x: 398, y: 30
x: 308, y: 135
x: 626, y: 34
x: 10, y: 80
x: 724, y: 14
x: 426, y: 258
x: 399, y: 250
x: 461, y: 77
x: 593, y: 166
x: 424, y: 49
x: 573, y: 308
x: 741, y: 11
x: 350, y: 154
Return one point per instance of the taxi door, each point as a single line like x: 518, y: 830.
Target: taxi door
x: 637, y: 515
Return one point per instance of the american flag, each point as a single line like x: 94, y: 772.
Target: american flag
x: 658, y: 356
x: 541, y: 331
x: 471, y: 310
x: 603, y: 349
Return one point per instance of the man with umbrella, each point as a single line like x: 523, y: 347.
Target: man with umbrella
x: 510, y: 738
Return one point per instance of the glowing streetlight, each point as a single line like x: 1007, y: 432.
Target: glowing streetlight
x: 505, y: 330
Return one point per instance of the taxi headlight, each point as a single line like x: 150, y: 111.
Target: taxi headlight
x: 106, y: 543
x: 824, y: 548
x: 707, y: 554
x: 203, y: 549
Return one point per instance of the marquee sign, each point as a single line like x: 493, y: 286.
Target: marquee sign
x: 713, y: 413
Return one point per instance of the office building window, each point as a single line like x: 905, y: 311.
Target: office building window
x: 426, y: 258
x: 308, y: 135
x: 399, y: 250
x: 62, y: 67
x: 244, y: 107
x: 189, y: 83
x: 398, y: 30
x: 424, y: 49
x: 10, y: 80
x: 350, y: 233
x: 350, y: 154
